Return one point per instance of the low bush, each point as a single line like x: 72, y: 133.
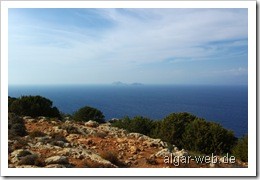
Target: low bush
x: 87, y: 163
x: 16, y: 126
x: 101, y: 134
x: 70, y: 129
x: 183, y: 130
x: 57, y: 140
x: 32, y: 160
x: 112, y: 157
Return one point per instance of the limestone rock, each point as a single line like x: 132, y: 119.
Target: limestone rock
x: 134, y: 135
x: 91, y: 123
x: 180, y: 153
x: 57, y: 160
x: 163, y: 153
x: 55, y: 166
x: 27, y: 166
x: 134, y: 149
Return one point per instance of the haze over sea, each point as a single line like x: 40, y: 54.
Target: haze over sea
x: 227, y: 105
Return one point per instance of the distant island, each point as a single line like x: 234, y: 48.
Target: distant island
x: 119, y: 83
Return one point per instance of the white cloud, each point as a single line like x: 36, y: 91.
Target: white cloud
x: 138, y: 36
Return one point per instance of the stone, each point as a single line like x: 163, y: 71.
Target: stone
x: 134, y: 149
x: 27, y: 166
x: 67, y: 122
x: 27, y: 117
x: 128, y: 162
x: 163, y: 153
x: 54, y: 122
x: 43, y: 117
x: 57, y: 160
x: 134, y: 135
x: 57, y: 129
x: 55, y: 166
x: 72, y: 137
x: 91, y: 123
x: 42, y: 139
x: 212, y: 165
x: 30, y: 120
x: 20, y: 153
x: 180, y: 153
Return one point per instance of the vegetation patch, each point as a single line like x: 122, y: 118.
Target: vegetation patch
x: 89, y: 113
x: 112, y: 157
x: 16, y: 126
x: 33, y: 106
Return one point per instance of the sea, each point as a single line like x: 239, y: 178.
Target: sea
x: 227, y: 105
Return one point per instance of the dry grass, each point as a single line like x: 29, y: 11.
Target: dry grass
x: 112, y: 157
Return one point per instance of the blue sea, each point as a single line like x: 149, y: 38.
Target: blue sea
x: 227, y: 105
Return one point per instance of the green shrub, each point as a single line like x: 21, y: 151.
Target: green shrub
x: 184, y: 131
x: 137, y: 124
x: 240, y: 150
x: 33, y: 106
x: 58, y: 137
x: 56, y: 140
x: 16, y: 126
x: 207, y: 137
x: 89, y: 113
x: 172, y: 127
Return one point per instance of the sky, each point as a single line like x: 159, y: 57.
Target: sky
x: 149, y: 46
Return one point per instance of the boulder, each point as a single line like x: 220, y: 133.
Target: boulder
x: 57, y: 160
x: 91, y: 123
x: 134, y: 135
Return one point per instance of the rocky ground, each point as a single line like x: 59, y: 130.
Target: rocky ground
x: 58, y: 144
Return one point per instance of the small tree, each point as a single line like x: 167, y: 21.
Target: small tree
x: 89, y: 113
x: 172, y: 127
x: 33, y: 106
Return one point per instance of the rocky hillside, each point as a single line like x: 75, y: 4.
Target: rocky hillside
x: 56, y: 144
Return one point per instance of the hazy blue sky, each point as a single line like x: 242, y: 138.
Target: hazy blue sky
x: 151, y: 46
